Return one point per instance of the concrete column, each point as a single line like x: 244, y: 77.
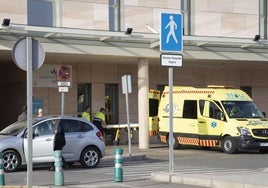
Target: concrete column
x: 263, y: 19
x: 188, y: 11
x: 57, y: 13
x: 143, y: 102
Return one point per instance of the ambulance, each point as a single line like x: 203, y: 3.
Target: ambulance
x: 154, y: 98
x: 221, y: 117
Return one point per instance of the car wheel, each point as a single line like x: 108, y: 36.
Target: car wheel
x: 11, y: 160
x: 229, y: 145
x: 90, y: 157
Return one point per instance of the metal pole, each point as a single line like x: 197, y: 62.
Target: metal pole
x: 62, y: 103
x: 171, y: 142
x: 128, y: 123
x: 29, y: 111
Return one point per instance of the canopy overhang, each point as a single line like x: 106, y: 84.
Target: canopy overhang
x: 117, y: 47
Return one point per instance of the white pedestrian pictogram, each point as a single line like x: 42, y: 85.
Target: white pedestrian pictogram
x: 172, y: 27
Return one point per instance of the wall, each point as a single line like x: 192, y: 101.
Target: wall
x: 226, y: 18
x: 13, y: 95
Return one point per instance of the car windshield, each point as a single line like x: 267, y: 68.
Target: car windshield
x: 242, y: 109
x: 14, y: 128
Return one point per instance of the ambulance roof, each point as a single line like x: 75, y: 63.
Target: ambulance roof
x: 220, y: 94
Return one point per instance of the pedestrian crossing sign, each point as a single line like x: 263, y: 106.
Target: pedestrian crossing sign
x: 171, y: 29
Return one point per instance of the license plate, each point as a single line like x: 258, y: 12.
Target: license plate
x: 264, y: 144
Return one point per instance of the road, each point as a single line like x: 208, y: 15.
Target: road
x: 137, y: 173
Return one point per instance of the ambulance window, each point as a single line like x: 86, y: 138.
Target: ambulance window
x: 153, y: 107
x: 190, y: 109
x: 201, y: 106
x: 214, y: 111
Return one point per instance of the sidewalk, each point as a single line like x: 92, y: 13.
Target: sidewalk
x: 242, y: 180
x: 250, y: 179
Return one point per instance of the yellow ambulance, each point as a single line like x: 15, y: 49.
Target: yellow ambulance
x: 154, y: 98
x: 213, y: 117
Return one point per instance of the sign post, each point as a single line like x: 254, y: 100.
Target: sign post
x: 171, y: 42
x: 29, y: 55
x: 126, y: 88
x: 63, y: 77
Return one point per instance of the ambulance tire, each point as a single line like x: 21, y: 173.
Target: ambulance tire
x: 229, y: 145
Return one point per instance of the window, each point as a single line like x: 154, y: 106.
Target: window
x: 84, y: 97
x: 85, y: 127
x: 153, y: 107
x: 44, y: 128
x: 111, y: 103
x: 190, y: 109
x: 75, y: 126
x: 214, y: 111
x: 201, y: 107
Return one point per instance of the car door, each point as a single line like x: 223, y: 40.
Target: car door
x: 43, y: 135
x: 75, y: 136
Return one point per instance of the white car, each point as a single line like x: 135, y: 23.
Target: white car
x: 84, y: 142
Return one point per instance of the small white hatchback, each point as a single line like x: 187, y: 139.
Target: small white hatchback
x: 84, y: 142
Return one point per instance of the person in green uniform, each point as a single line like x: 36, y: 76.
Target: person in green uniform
x: 99, y: 120
x: 86, y: 113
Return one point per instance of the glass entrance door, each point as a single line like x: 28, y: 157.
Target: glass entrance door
x: 83, y: 97
x: 111, y: 103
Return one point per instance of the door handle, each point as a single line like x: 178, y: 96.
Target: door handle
x: 80, y: 136
x: 48, y: 139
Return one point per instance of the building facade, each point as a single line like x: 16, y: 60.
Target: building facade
x: 88, y: 36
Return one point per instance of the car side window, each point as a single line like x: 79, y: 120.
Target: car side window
x: 44, y: 128
x: 86, y: 127
x: 75, y: 126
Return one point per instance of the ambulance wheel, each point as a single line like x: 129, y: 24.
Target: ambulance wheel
x: 229, y: 145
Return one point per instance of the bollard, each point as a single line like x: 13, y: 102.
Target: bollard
x: 59, y: 179
x: 118, y: 170
x: 2, y: 177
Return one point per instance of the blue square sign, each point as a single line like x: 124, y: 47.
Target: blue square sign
x: 171, y: 32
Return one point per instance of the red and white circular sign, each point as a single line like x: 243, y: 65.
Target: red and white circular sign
x: 63, y: 73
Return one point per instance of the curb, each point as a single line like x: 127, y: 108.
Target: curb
x: 135, y: 157
x: 212, y: 183
x: 18, y: 186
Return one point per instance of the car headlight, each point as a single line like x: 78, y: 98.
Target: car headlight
x: 244, y: 131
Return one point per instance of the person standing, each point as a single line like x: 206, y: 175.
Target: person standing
x: 23, y: 115
x: 99, y: 120
x: 59, y: 143
x: 40, y: 112
x: 86, y: 113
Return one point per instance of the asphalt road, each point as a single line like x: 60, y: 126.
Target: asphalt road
x: 137, y: 173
